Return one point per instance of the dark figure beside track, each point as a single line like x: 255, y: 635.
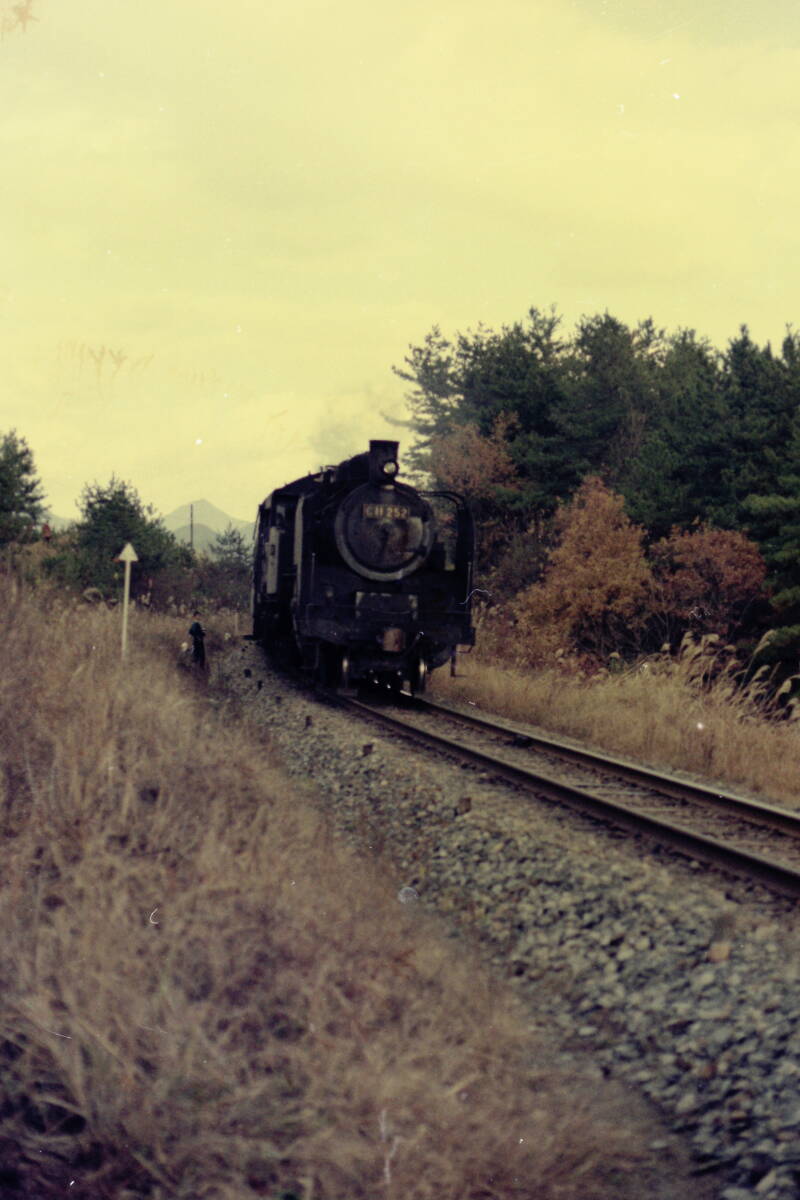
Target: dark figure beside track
x: 197, y: 634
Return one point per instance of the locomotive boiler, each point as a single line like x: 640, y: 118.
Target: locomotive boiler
x: 362, y: 576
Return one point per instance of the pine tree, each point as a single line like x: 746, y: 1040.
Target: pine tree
x: 21, y: 495
x: 112, y: 515
x: 231, y: 550
x: 677, y: 476
x: 610, y: 395
x: 225, y: 578
x: 761, y: 395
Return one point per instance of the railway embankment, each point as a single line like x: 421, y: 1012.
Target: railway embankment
x: 688, y: 713
x: 206, y: 995
x: 676, y: 981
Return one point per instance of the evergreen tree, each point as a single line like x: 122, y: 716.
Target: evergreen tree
x: 760, y: 394
x: 688, y: 435
x: 775, y: 524
x: 434, y: 399
x: 515, y: 376
x: 21, y: 495
x: 610, y: 396
x: 676, y: 478
x: 231, y: 550
x: 112, y: 515
x: 225, y: 579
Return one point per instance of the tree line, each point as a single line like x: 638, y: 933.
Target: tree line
x: 112, y: 514
x: 580, y: 453
x: 542, y: 429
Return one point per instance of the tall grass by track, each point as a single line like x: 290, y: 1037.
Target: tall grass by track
x: 687, y: 713
x: 204, y: 995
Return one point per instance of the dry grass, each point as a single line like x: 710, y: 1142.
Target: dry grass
x: 687, y: 713
x: 203, y: 995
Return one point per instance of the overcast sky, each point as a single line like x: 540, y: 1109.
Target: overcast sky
x: 222, y: 223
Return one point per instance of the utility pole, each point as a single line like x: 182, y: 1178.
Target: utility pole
x: 191, y: 526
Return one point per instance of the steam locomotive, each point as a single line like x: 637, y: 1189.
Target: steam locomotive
x: 362, y: 577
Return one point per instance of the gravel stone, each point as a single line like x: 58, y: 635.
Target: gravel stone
x: 606, y: 936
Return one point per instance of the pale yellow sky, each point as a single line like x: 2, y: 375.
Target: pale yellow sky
x: 223, y: 223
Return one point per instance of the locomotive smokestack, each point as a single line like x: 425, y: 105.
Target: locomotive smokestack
x: 383, y: 465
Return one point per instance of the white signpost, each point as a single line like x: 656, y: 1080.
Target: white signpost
x: 127, y: 555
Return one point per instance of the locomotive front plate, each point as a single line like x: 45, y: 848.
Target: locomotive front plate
x: 392, y: 512
x: 384, y: 532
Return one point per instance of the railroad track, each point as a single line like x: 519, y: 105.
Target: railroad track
x: 759, y: 841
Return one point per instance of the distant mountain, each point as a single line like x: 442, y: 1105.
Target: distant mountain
x: 203, y: 536
x: 205, y: 514
x: 208, y: 522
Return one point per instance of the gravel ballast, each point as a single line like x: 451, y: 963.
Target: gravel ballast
x: 672, y: 978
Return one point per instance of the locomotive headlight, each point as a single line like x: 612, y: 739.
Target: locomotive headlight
x: 390, y: 468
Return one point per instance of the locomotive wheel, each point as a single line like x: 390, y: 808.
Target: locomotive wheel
x: 419, y: 676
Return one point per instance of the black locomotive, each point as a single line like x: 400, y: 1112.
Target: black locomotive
x: 362, y: 576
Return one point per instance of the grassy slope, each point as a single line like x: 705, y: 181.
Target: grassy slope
x: 202, y: 995
x: 687, y: 714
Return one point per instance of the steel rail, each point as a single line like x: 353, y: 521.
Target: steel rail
x: 774, y: 875
x: 760, y: 813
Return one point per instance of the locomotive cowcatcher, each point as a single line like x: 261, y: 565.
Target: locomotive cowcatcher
x: 362, y: 576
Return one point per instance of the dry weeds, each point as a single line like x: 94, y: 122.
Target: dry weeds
x: 687, y: 713
x: 203, y: 995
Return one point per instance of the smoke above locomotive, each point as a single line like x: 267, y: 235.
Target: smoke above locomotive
x: 359, y: 576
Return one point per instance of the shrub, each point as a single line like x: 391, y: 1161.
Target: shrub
x: 705, y: 579
x: 592, y: 597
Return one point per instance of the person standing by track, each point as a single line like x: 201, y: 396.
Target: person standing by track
x: 198, y: 634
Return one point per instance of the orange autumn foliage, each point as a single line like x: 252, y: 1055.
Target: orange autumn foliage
x: 706, y: 579
x: 473, y: 465
x: 592, y: 598
x: 476, y: 466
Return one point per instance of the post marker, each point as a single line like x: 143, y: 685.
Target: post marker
x: 127, y: 555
